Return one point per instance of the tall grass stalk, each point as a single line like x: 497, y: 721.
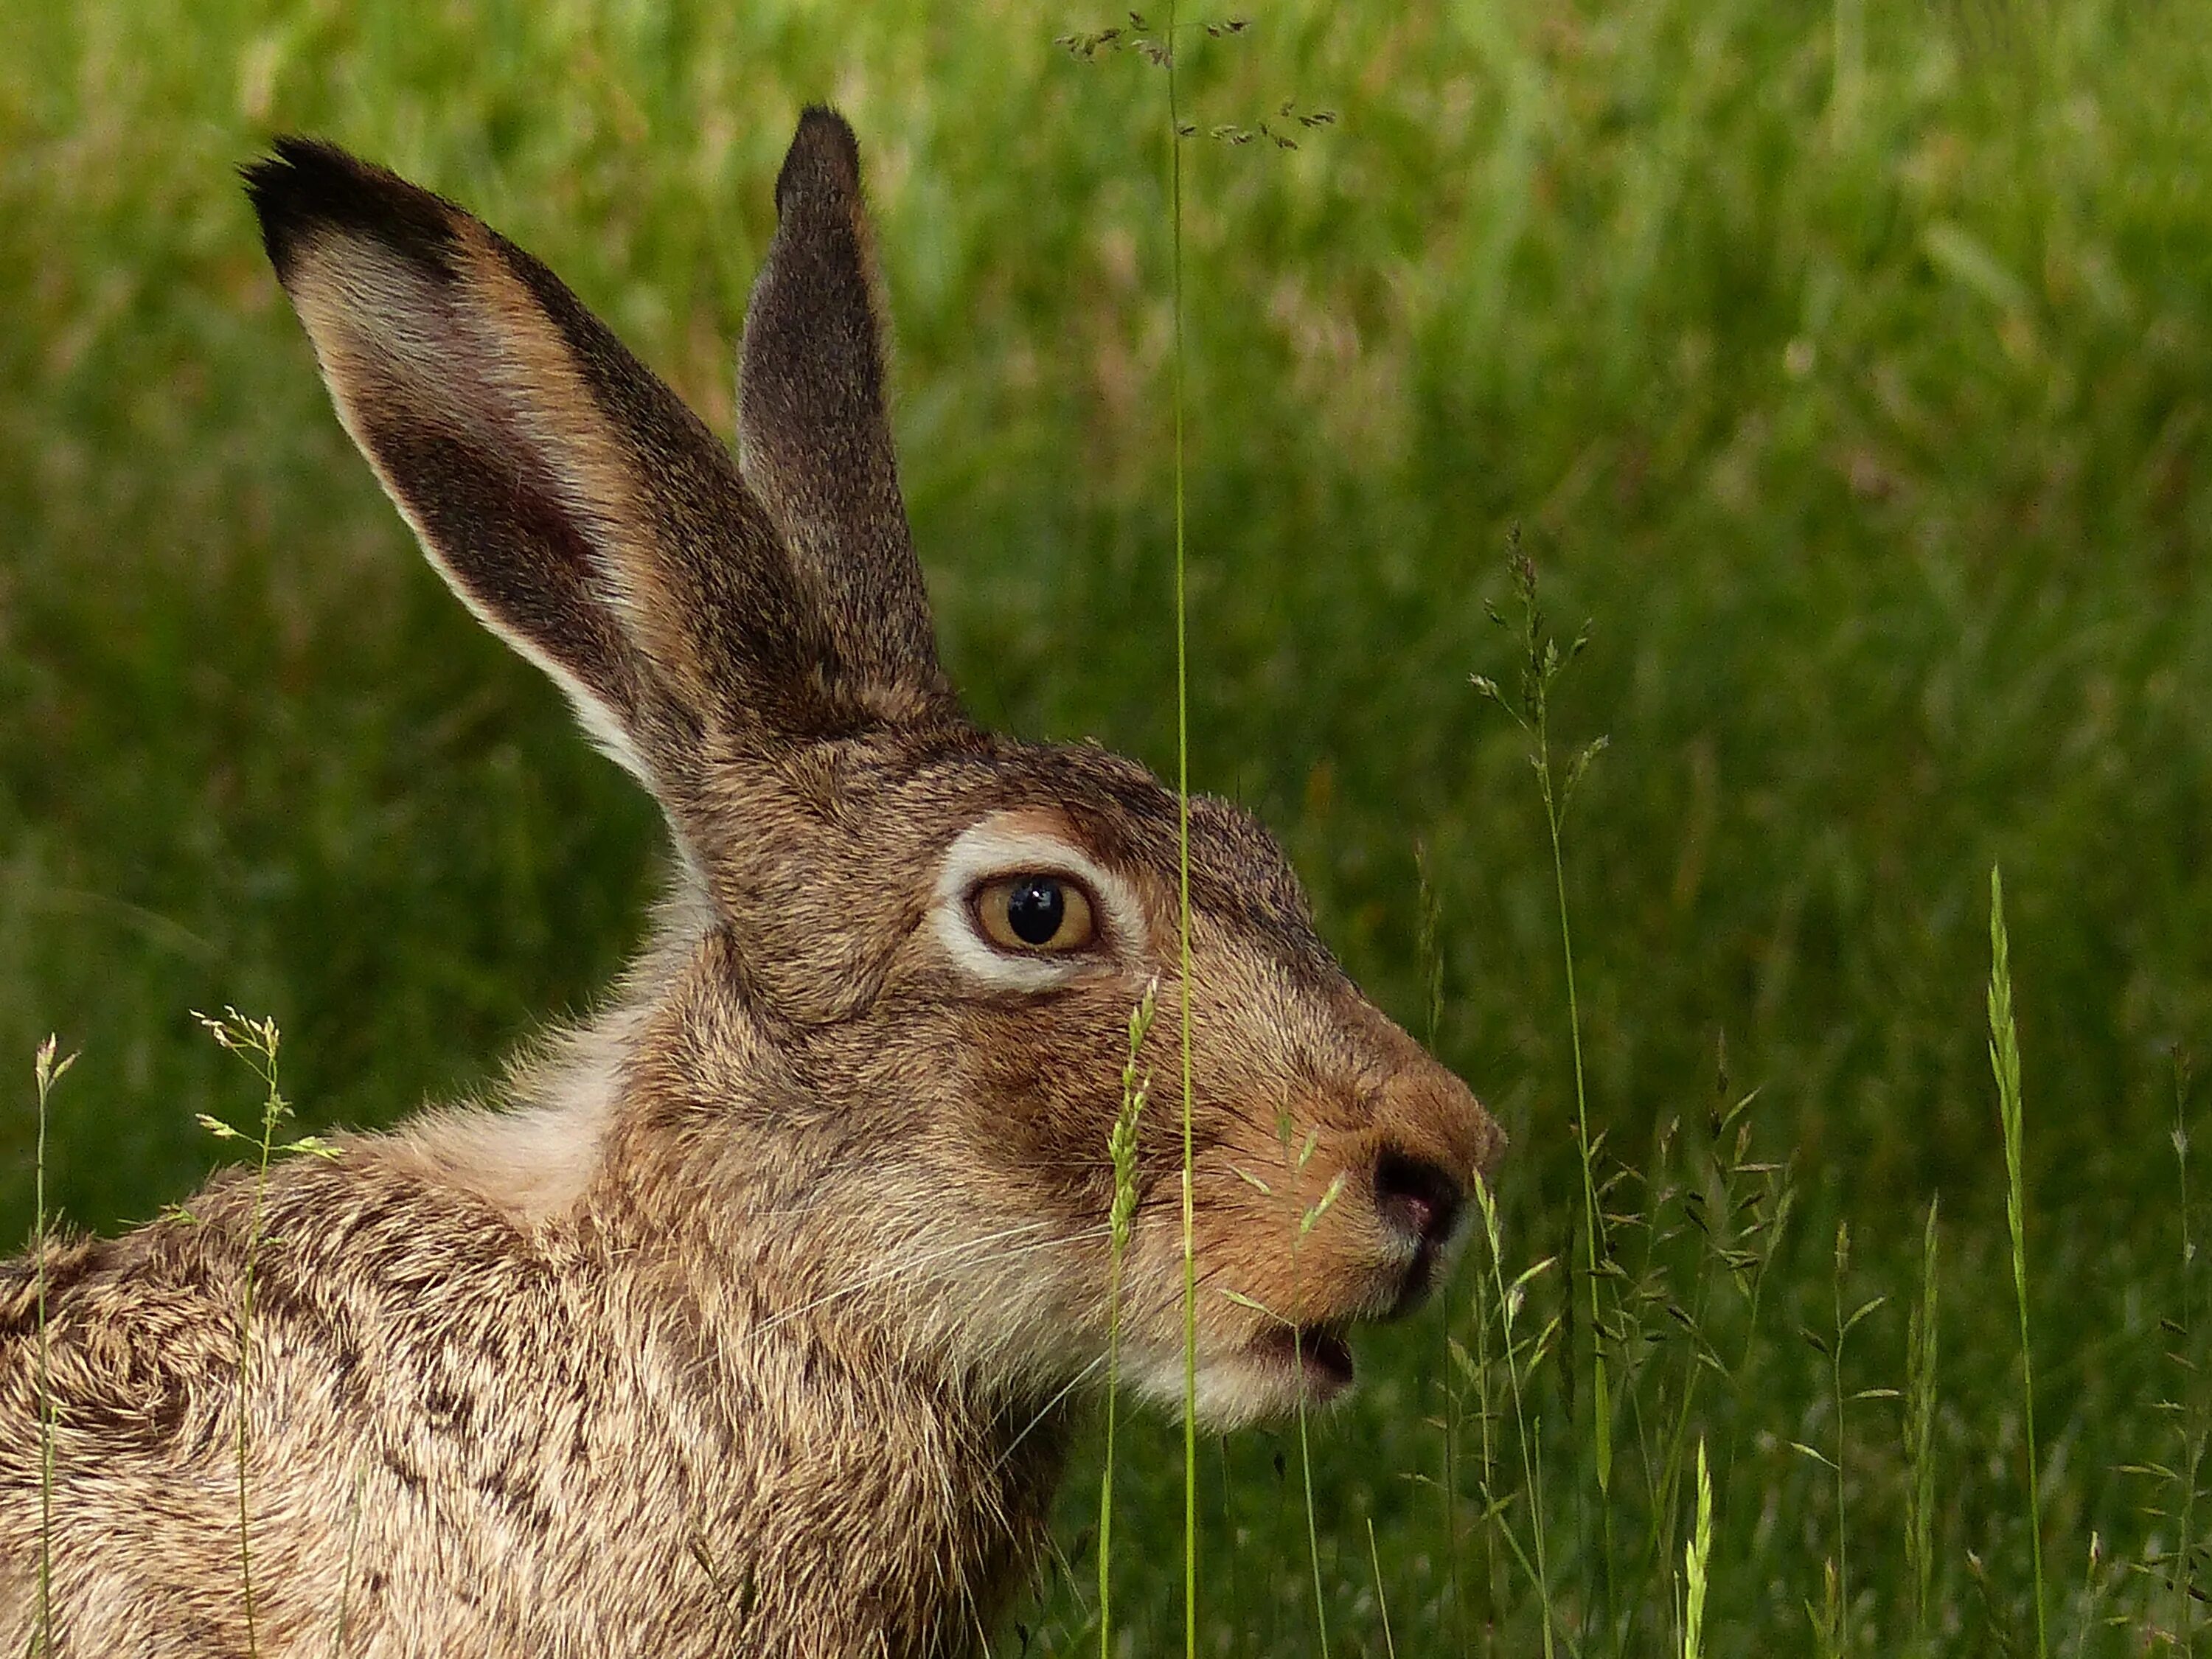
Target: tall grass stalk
x: 1921, y: 1353
x: 2004, y: 1062
x: 2175, y: 1502
x: 1835, y: 1621
x: 1478, y: 1370
x: 1542, y: 661
x: 2095, y: 1583
x: 1533, y: 1559
x: 1382, y: 1605
x: 255, y: 1041
x: 2193, y: 1414
x: 1430, y: 952
x: 1160, y: 50
x: 48, y: 1072
x: 1313, y: 1530
x: 1737, y: 1227
x: 1306, y: 1225
x: 1697, y: 1561
x: 1183, y: 862
x: 1122, y: 1149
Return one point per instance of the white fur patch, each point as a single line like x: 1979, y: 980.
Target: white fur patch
x: 1012, y: 844
x: 1234, y: 1390
x: 533, y: 1159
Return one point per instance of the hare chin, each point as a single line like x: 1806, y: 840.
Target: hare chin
x: 1259, y: 1384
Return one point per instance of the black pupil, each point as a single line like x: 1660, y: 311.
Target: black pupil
x: 1034, y: 910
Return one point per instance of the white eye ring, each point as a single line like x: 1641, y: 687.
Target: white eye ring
x: 1012, y: 844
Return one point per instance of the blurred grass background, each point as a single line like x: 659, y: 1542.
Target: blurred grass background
x: 1846, y: 365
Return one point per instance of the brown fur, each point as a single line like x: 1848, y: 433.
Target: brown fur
x: 750, y: 1321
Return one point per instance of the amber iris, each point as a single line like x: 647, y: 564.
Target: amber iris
x: 1035, y: 913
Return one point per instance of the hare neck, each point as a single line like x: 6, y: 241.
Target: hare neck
x: 862, y: 1477
x: 854, y: 1491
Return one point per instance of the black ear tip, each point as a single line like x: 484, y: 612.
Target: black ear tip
x: 824, y: 157
x: 308, y: 185
x: 283, y: 186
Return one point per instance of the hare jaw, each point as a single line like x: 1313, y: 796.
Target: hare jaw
x: 1235, y: 1389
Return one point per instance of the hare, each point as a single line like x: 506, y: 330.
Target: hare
x: 756, y: 1316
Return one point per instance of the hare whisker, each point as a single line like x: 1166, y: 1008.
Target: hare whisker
x: 1046, y: 1410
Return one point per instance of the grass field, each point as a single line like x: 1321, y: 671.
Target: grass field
x: 1848, y: 367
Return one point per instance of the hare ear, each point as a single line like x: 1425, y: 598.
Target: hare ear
x: 814, y: 437
x: 571, y: 500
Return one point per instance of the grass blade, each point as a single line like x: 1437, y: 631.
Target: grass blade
x: 1182, y: 866
x: 1920, y: 1362
x: 48, y: 1072
x: 1697, y: 1558
x: 2004, y: 1062
x: 1121, y: 1151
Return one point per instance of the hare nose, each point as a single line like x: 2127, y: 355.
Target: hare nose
x: 1416, y: 1197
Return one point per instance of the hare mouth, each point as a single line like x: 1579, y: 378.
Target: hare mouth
x: 1318, y: 1355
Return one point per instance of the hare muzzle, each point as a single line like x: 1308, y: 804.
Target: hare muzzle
x: 1329, y: 1191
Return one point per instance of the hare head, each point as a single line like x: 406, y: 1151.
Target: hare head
x: 894, y: 990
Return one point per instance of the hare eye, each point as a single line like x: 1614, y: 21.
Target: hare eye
x: 1035, y: 913
x: 1018, y: 906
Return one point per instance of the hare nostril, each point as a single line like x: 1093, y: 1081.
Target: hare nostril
x: 1416, y: 1196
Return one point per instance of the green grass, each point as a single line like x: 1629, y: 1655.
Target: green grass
x: 255, y: 1041
x: 46, y: 1072
x: 1122, y: 1151
x: 1846, y: 367
x: 2004, y: 1066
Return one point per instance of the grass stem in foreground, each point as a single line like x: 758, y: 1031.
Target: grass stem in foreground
x: 1182, y: 867
x: 1430, y: 952
x: 1306, y: 1223
x: 1122, y: 1149
x: 1697, y: 1560
x: 1382, y: 1605
x: 48, y: 1072
x: 2182, y: 1565
x: 2005, y: 1062
x: 1921, y: 1351
x: 1542, y: 660
x: 1529, y: 1435
x: 255, y: 1041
